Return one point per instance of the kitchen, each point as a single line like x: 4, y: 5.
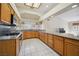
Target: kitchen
x: 42, y: 29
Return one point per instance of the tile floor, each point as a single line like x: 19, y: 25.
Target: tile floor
x: 35, y: 47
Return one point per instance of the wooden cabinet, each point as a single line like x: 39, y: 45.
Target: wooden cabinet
x: 0, y: 11
x: 50, y: 40
x: 71, y: 47
x: 46, y: 38
x: 58, y: 44
x: 10, y: 47
x: 7, y: 47
x: 40, y: 35
x: 30, y: 34
x: 18, y: 45
x: 5, y: 13
x: 26, y: 35
x: 36, y: 34
x: 43, y: 37
x: 62, y: 45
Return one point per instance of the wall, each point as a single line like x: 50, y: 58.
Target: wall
x: 28, y: 24
x: 54, y: 23
x: 74, y: 29
x: 63, y: 20
x: 25, y: 24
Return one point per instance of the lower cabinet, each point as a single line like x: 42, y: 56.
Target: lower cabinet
x: 27, y: 35
x: 71, y: 47
x: 9, y: 47
x: 42, y: 36
x: 18, y: 45
x: 36, y: 34
x: 46, y: 38
x: 50, y: 40
x: 62, y: 45
x: 58, y: 44
x: 30, y: 34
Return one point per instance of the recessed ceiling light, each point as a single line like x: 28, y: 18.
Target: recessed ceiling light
x: 74, y: 6
x: 46, y: 5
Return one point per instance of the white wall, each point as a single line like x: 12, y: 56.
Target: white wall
x: 62, y: 21
x: 28, y: 24
x: 71, y: 15
x: 55, y: 23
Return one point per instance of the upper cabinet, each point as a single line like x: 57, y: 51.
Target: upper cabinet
x: 5, y: 13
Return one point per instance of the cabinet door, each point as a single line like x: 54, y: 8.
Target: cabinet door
x: 5, y: 13
x: 0, y: 11
x: 46, y: 37
x: 40, y: 36
x: 32, y: 34
x: 36, y: 34
x: 27, y: 35
x: 71, y: 47
x: 17, y: 46
x: 58, y: 44
x: 50, y: 40
x: 7, y: 47
x: 43, y: 37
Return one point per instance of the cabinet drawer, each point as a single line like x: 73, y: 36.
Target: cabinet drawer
x: 73, y: 41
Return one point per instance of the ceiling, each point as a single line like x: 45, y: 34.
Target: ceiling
x: 68, y: 13
x: 34, y: 13
x: 63, y: 10
x: 67, y: 9
x: 71, y: 15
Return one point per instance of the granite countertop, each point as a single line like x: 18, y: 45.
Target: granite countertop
x: 31, y: 30
x: 9, y: 37
x: 67, y: 35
